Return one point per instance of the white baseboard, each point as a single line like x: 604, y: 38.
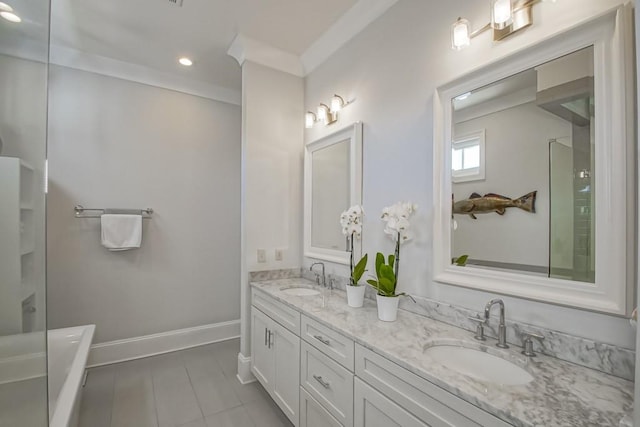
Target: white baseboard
x: 244, y: 370
x: 135, y: 348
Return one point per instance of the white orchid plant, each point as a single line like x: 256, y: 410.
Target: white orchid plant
x: 397, y: 227
x: 351, y: 222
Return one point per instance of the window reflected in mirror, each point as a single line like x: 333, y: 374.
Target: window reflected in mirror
x: 523, y: 171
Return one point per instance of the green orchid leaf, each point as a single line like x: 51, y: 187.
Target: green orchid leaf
x: 462, y: 260
x: 386, y: 272
x: 359, y: 269
x: 392, y: 260
x: 379, y: 262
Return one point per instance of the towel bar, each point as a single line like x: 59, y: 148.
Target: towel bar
x: 80, y: 212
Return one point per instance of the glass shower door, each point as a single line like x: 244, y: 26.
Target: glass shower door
x: 24, y: 47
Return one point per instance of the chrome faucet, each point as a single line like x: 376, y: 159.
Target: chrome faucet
x: 502, y: 328
x: 324, y: 280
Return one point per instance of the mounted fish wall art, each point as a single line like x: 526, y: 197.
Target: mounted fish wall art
x: 491, y: 202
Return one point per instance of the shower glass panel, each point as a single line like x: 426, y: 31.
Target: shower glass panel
x: 24, y: 47
x: 572, y: 196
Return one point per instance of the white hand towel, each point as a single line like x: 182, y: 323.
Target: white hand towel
x: 121, y: 232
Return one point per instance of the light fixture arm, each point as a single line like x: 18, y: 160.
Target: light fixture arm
x: 480, y: 30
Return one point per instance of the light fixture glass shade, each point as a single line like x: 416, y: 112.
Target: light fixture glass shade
x: 10, y: 16
x: 460, y: 34
x: 501, y: 14
x: 309, y: 119
x: 323, y: 113
x: 187, y: 62
x: 336, y: 103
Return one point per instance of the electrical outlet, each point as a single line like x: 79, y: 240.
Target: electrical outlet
x: 279, y: 254
x: 262, y: 255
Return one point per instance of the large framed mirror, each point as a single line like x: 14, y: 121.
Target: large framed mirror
x: 534, y: 172
x: 332, y: 183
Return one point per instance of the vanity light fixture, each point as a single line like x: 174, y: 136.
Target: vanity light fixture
x: 310, y: 119
x: 7, y: 13
x: 460, y: 34
x: 185, y: 61
x: 337, y: 103
x: 501, y: 14
x: 507, y: 17
x: 325, y: 114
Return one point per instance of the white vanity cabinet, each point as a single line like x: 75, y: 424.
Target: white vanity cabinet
x: 338, y: 383
x: 276, y: 360
x: 373, y: 409
x: 428, y: 403
x: 313, y: 414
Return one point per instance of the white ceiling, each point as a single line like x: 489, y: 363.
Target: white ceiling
x: 154, y: 33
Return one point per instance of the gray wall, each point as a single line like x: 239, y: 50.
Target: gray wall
x: 392, y: 69
x: 114, y: 143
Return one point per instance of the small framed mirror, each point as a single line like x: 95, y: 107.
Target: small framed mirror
x: 532, y: 170
x: 332, y: 183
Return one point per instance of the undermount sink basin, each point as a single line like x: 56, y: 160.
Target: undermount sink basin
x: 300, y: 291
x: 479, y: 365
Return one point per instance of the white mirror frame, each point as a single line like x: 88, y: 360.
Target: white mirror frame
x: 354, y: 134
x: 613, y: 289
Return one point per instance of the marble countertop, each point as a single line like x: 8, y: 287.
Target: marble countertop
x: 561, y: 394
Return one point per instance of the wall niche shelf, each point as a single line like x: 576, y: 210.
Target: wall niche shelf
x: 17, y: 245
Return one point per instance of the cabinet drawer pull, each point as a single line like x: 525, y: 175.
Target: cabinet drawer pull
x: 322, y: 340
x: 265, y: 336
x: 270, y: 339
x: 322, y: 382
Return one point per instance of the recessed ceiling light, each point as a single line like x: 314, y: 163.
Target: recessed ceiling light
x: 185, y: 61
x: 5, y: 7
x: 10, y: 16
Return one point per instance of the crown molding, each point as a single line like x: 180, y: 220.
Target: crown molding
x: 76, y: 59
x: 244, y: 48
x: 356, y: 19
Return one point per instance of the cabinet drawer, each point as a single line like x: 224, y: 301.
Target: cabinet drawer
x: 425, y: 400
x: 332, y: 343
x: 372, y: 409
x: 312, y: 414
x: 286, y: 316
x: 328, y: 382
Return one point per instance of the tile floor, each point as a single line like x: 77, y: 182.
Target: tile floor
x: 189, y: 388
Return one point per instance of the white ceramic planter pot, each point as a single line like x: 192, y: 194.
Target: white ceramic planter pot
x: 387, y: 308
x: 355, y: 295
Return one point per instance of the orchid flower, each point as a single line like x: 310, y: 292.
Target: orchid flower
x: 351, y: 221
x: 396, y: 218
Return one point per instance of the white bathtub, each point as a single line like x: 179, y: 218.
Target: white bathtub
x: 22, y: 358
x: 68, y: 350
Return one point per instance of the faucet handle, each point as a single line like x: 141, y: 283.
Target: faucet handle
x: 479, y: 327
x: 528, y: 343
